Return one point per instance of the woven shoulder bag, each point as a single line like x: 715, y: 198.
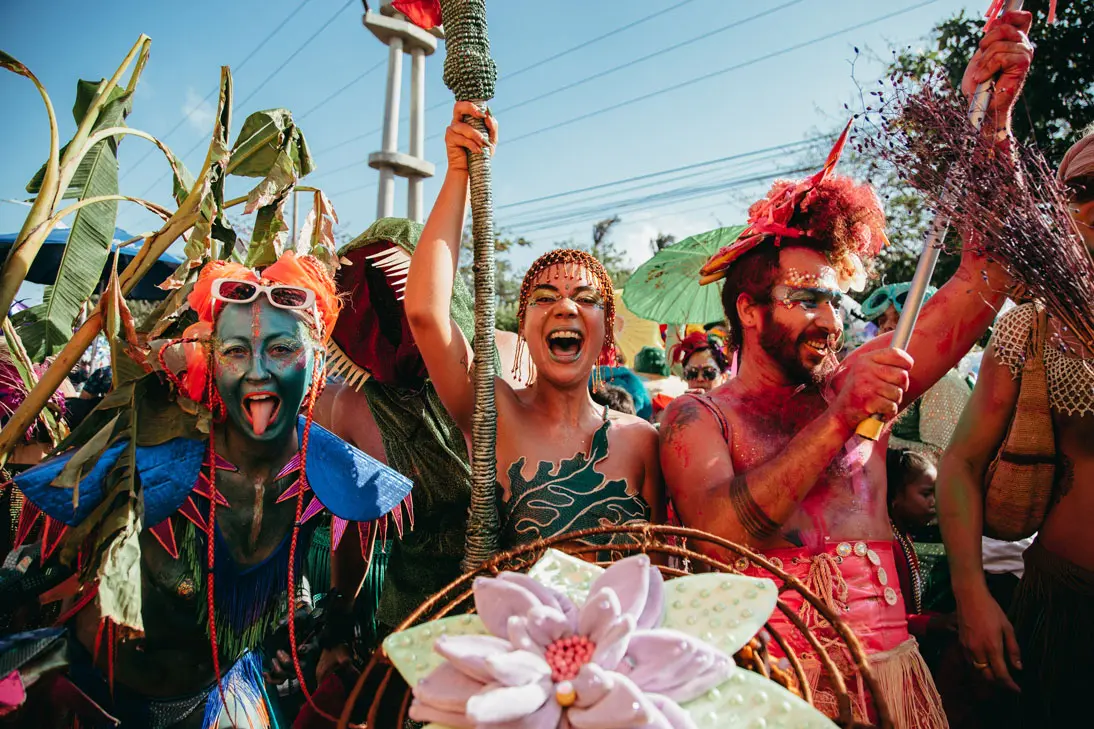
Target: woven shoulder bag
x: 1019, y: 482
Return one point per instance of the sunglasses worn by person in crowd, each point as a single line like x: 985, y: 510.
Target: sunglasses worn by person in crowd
x: 707, y: 373
x: 290, y: 298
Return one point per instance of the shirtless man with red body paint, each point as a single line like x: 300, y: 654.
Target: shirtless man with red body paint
x: 771, y: 458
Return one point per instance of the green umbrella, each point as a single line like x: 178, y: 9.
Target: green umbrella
x: 666, y: 288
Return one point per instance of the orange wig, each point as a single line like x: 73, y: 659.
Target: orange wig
x: 291, y: 270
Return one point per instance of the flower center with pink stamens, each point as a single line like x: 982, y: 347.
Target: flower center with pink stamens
x: 566, y: 656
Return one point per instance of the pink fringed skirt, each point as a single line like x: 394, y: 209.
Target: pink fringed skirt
x: 858, y: 581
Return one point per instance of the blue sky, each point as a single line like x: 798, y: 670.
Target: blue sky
x: 786, y: 98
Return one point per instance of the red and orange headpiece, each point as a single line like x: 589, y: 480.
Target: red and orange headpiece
x: 826, y: 211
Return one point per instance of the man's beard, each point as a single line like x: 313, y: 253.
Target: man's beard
x: 785, y: 350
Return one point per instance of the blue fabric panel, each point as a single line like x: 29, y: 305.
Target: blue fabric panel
x: 36, y: 484
x: 351, y: 484
x: 168, y: 474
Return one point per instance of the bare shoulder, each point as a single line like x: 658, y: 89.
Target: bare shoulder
x: 512, y: 372
x: 689, y: 413
x: 632, y: 427
x: 350, y: 418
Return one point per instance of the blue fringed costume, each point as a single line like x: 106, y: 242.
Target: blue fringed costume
x: 172, y: 489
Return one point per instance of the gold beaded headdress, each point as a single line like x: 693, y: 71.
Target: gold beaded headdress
x: 572, y: 261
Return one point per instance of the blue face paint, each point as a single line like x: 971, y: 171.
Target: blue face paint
x: 264, y: 359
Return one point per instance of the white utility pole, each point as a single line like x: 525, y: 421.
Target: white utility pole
x: 401, y: 36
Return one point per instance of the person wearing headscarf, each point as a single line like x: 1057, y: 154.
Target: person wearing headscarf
x: 703, y: 360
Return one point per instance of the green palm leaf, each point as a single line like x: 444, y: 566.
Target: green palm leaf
x: 46, y: 328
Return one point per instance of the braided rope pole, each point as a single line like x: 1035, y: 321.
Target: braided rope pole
x: 470, y: 73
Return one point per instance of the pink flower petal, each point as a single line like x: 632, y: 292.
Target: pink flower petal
x: 468, y: 653
x: 654, y: 610
x: 499, y: 600
x: 496, y: 704
x: 671, y: 713
x: 612, y: 641
x: 447, y: 689
x: 674, y: 664
x: 622, y: 707
x: 597, y: 613
x: 546, y: 625
x: 428, y: 715
x: 548, y: 716
x: 591, y: 685
x: 629, y: 579
x: 517, y: 668
x: 547, y: 595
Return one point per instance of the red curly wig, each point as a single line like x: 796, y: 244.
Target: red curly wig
x: 292, y: 270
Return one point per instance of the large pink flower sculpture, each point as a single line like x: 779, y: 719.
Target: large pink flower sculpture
x: 606, y: 665
x: 572, y: 645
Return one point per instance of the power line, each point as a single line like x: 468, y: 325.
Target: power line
x: 735, y: 67
x: 652, y: 200
x: 254, y: 51
x: 536, y: 64
x: 354, y: 189
x: 341, y: 90
x: 655, y: 54
x: 647, y: 202
x: 652, y: 94
x: 692, y: 178
x: 777, y: 148
x: 295, y: 53
x: 579, y: 46
x: 787, y: 147
x: 269, y: 78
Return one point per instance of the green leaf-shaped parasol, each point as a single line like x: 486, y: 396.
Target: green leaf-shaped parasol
x: 666, y: 289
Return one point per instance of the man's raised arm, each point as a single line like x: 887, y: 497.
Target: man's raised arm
x: 962, y: 310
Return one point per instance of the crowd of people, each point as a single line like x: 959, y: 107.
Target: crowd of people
x: 291, y: 479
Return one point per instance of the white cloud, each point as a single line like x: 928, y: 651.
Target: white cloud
x: 199, y: 113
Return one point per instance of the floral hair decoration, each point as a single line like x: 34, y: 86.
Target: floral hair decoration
x: 697, y: 342
x: 825, y: 211
x: 571, y: 644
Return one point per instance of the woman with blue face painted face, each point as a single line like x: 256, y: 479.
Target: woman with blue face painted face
x: 233, y: 478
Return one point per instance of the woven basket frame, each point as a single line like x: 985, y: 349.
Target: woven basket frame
x: 391, y: 696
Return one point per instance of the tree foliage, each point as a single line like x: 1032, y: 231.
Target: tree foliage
x: 1057, y: 103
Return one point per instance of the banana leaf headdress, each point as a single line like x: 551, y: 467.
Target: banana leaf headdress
x: 826, y: 211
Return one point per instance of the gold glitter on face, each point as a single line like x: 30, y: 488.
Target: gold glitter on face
x: 550, y: 279
x: 569, y: 262
x: 824, y: 278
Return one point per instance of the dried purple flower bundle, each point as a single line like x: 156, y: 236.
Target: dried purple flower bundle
x: 1002, y: 196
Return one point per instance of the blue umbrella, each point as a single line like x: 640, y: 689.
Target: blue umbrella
x: 48, y: 260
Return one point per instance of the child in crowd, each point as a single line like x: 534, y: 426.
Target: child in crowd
x: 615, y: 397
